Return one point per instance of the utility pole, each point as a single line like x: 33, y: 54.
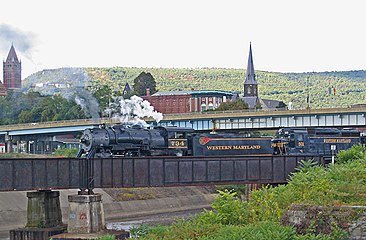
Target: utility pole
x: 308, y: 92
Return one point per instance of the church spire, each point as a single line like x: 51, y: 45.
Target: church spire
x: 12, y: 56
x: 250, y: 78
x: 250, y: 84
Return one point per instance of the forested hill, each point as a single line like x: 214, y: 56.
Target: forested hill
x: 350, y: 86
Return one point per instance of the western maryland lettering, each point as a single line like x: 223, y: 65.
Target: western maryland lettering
x: 205, y: 140
x: 337, y: 140
x: 241, y: 147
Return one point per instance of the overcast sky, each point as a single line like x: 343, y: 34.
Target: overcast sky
x: 286, y: 35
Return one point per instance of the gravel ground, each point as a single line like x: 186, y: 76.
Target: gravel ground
x: 128, y: 194
x: 156, y: 219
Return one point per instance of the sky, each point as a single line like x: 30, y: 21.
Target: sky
x: 286, y: 35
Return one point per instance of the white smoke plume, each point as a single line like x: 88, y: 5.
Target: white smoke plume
x: 85, y: 100
x: 23, y: 41
x: 132, y: 110
x: 69, y: 83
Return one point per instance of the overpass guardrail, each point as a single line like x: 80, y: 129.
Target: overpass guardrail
x: 185, y: 116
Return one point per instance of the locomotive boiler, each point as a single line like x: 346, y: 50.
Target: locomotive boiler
x: 134, y: 140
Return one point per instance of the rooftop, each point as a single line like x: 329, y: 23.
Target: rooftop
x: 195, y: 92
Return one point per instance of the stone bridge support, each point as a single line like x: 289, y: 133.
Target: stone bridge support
x: 86, y: 214
x: 44, y: 217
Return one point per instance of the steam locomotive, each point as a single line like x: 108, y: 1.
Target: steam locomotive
x: 135, y: 140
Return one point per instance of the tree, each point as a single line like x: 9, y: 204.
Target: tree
x: 103, y: 95
x: 281, y: 105
x: 258, y: 105
x: 237, y: 104
x: 51, y: 108
x: 142, y: 82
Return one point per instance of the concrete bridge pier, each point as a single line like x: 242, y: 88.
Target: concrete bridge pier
x: 86, y: 214
x: 9, y: 143
x: 86, y: 219
x: 44, y: 217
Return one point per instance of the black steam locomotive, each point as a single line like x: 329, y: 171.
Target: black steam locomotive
x: 135, y: 140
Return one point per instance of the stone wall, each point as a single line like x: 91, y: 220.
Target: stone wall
x: 324, y: 219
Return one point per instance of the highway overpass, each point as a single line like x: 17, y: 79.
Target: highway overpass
x: 327, y: 117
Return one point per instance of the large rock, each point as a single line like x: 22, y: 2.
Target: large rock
x: 325, y: 219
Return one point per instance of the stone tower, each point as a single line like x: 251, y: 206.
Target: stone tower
x: 12, y: 68
x: 250, y: 84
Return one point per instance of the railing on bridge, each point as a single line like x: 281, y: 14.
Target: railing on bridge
x: 73, y: 173
x: 190, y: 116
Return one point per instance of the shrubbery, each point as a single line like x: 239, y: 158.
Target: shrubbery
x: 66, y: 152
x: 354, y: 153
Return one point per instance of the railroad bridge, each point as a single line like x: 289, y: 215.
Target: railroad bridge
x: 78, y: 173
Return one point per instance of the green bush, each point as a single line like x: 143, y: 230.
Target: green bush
x: 264, y: 205
x: 238, y: 188
x: 66, y: 152
x: 140, y: 231
x: 261, y: 230
x: 356, y: 152
x: 227, y: 208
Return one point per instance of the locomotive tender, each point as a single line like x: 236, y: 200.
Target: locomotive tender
x: 135, y: 140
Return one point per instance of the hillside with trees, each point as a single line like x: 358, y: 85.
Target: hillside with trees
x: 325, y: 89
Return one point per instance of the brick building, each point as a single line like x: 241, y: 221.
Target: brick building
x: 188, y: 101
x: 12, y: 69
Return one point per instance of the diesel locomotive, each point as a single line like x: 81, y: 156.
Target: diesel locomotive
x: 322, y: 141
x: 135, y: 141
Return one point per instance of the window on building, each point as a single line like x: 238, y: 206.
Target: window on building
x: 250, y: 89
x: 203, y: 107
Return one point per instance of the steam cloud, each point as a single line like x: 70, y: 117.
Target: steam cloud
x: 85, y: 100
x: 71, y: 84
x: 23, y: 41
x: 132, y: 110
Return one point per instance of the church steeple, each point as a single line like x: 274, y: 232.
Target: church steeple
x: 12, y: 56
x: 250, y: 84
x: 12, y: 68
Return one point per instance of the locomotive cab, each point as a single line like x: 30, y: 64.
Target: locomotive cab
x: 178, y: 140
x: 290, y: 141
